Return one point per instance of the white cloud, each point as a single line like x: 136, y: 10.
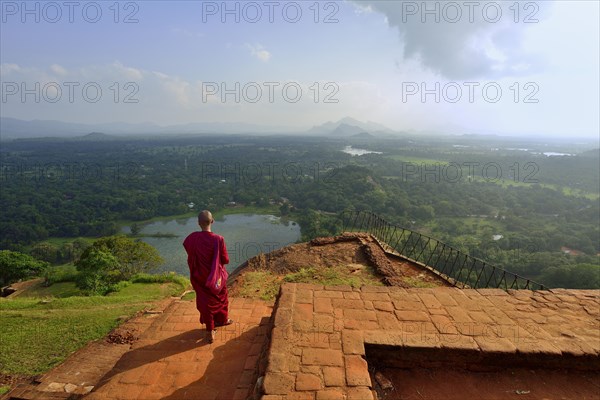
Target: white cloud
x: 128, y: 72
x: 58, y: 70
x: 259, y: 52
x: 362, y: 9
x: 177, y: 88
x: 160, y: 74
x: 6, y: 68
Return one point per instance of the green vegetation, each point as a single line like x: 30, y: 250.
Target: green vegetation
x: 15, y: 266
x: 189, y: 296
x: 519, y: 210
x: 141, y: 223
x: 264, y: 209
x: 61, y: 273
x: 259, y: 284
x: 59, y: 250
x: 565, y: 190
x: 45, y: 325
x: 169, y: 277
x: 436, y: 185
x: 57, y: 290
x: 111, y: 260
x: 154, y: 235
x: 332, y: 276
x: 265, y: 284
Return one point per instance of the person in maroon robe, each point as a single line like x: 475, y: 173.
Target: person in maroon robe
x: 200, y: 247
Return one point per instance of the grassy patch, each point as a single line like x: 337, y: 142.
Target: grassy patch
x: 59, y: 290
x: 190, y: 296
x: 265, y: 284
x: 332, y: 276
x: 141, y: 292
x: 4, y: 390
x: 39, y: 334
x: 167, y: 277
x: 259, y: 284
x: 61, y: 273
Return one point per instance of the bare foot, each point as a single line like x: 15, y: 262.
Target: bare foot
x: 211, y: 336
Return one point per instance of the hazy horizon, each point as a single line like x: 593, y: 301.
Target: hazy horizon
x: 148, y: 129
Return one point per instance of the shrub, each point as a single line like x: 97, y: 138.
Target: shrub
x: 162, y: 278
x: 111, y: 260
x: 15, y: 266
x: 63, y: 273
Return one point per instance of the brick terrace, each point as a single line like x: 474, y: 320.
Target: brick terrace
x: 320, y: 333
x: 173, y: 360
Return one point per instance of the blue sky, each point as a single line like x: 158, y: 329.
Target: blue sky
x: 530, y: 70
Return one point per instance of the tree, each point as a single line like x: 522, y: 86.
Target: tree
x: 578, y: 276
x: 424, y: 212
x: 130, y: 258
x: 45, y: 251
x: 15, y: 266
x: 99, y: 271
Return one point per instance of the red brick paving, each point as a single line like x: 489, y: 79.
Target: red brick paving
x: 320, y: 333
x: 173, y: 360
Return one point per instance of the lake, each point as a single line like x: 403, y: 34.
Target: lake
x: 246, y: 235
x: 358, y: 152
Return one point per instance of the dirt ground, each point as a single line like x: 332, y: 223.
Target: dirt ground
x: 521, y: 384
x: 359, y: 252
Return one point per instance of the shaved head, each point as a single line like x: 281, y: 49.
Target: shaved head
x: 205, y: 218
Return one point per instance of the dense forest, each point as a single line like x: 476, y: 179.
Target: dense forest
x: 507, y: 201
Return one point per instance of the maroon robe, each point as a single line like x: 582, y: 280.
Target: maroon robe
x: 200, y: 247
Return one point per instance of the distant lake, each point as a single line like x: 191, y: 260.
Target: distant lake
x: 246, y: 235
x: 358, y: 152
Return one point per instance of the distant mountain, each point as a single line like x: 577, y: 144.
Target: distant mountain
x: 362, y: 135
x: 357, y: 127
x: 16, y: 128
x: 346, y: 130
x: 12, y: 128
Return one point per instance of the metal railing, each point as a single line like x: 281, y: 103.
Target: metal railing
x: 459, y: 268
